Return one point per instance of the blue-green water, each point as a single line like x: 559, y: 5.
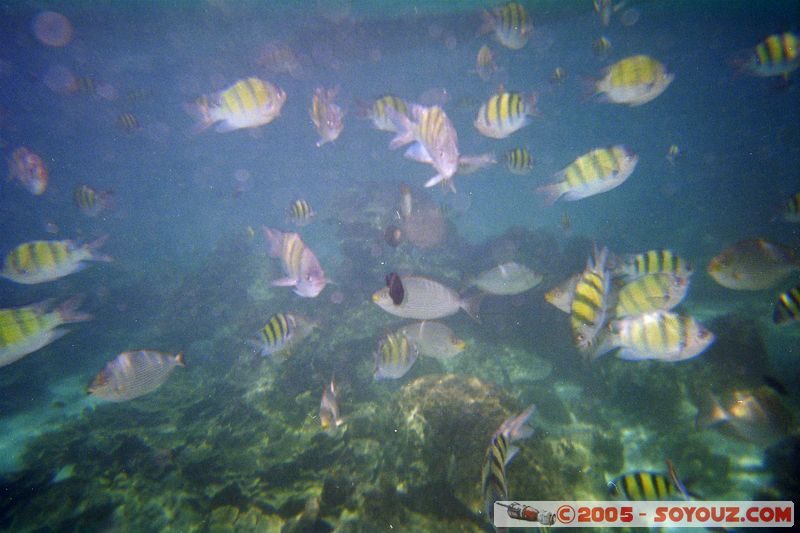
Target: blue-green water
x: 233, y: 441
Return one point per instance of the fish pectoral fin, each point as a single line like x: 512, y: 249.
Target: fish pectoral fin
x: 438, y: 178
x: 417, y: 152
x: 284, y: 282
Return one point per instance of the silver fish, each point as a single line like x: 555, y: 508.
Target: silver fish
x: 133, y: 374
x: 434, y: 339
x: 329, y: 409
x: 508, y: 279
x: 425, y: 299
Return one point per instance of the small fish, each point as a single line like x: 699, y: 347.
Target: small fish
x: 559, y: 75
x: 406, y: 202
x: 133, y: 374
x: 787, y: 308
x: 300, y: 213
x: 643, y: 486
x: 593, y: 173
x: 665, y: 261
x: 508, y: 279
x: 378, y: 111
x: 128, y: 123
x: 23, y: 330
x: 425, y: 299
x: 605, y: 8
x: 659, y: 335
x: 247, y: 103
x: 485, y: 65
x: 85, y: 85
x: 301, y: 266
x: 281, y: 58
x: 634, y: 80
x: 434, y: 141
x: 673, y: 152
x: 280, y: 333
x: 791, y: 209
x: 28, y: 169
x: 326, y: 115
x: 329, y: 419
x: 752, y: 265
x: 566, y: 222
x: 777, y: 55
x: 91, y: 202
x: 562, y: 294
x: 494, y: 478
x: 759, y: 416
x: 602, y: 46
x: 433, y: 339
x: 588, y: 308
x: 40, y: 261
x: 511, y: 24
x: 504, y: 113
x: 395, y: 357
x: 651, y: 292
x: 395, y: 286
x: 519, y: 161
x: 393, y: 235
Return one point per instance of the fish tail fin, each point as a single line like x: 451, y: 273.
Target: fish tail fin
x: 551, y: 192
x: 91, y: 247
x: 607, y: 341
x: 200, y: 111
x: 68, y: 311
x: 676, y: 481
x: 180, y: 360
x: 532, y: 99
x: 515, y: 427
x: 472, y: 305
x: 274, y: 239
x: 711, y: 414
x: 106, y: 199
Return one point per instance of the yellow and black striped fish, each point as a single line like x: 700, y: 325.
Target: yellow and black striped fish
x: 91, y: 202
x: 588, y: 307
x: 24, y: 330
x: 511, y: 24
x: 504, y: 113
x: 787, y: 308
x: 653, y: 262
x: 634, y: 80
x: 40, y: 261
x: 559, y: 75
x: 494, y: 482
x: 247, y: 103
x: 595, y: 172
x: 380, y: 111
x: 777, y: 55
x: 643, y: 486
x: 601, y: 46
x: 84, y: 85
x: 277, y: 333
x: 128, y: 123
x: 395, y: 356
x: 519, y: 161
x: 300, y: 212
x: 651, y: 292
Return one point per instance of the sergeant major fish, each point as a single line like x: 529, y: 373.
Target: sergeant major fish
x: 133, y: 374
x: 326, y: 115
x: 656, y: 261
x: 777, y: 55
x: 634, y: 80
x: 395, y: 356
x: 511, y: 24
x: 247, y: 103
x: 588, y: 308
x: 651, y: 293
x: 494, y: 479
x: 596, y: 172
x: 40, y: 261
x: 302, y: 269
x: 280, y: 333
x: 380, y: 111
x: 504, y: 113
x: 91, y: 202
x: 23, y: 330
x: 300, y: 213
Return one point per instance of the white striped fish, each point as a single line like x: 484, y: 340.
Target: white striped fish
x: 133, y: 374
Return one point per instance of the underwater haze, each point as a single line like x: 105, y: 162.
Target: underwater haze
x: 310, y: 266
